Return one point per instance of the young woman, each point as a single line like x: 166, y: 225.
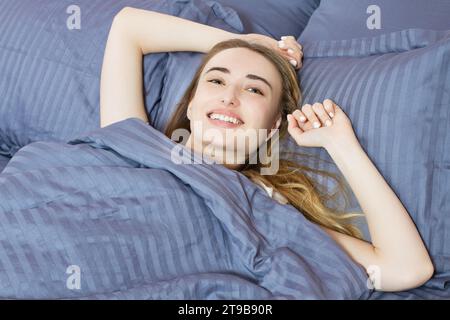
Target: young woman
x: 249, y: 82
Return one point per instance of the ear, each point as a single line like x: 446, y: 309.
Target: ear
x: 275, y: 126
x: 188, y: 112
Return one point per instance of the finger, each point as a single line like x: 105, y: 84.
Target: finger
x: 337, y: 109
x: 308, y: 111
x: 300, y: 64
x: 290, y: 49
x: 294, y: 62
x: 291, y: 57
x: 291, y: 46
x: 302, y: 120
x: 324, y: 117
x: 293, y: 127
x: 295, y: 131
x: 282, y: 44
x: 291, y: 40
x: 329, y: 107
x: 296, y: 56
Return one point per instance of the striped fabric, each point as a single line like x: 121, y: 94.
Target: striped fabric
x: 3, y: 162
x: 50, y: 74
x: 273, y: 18
x: 349, y: 19
x: 395, y: 88
x: 138, y: 225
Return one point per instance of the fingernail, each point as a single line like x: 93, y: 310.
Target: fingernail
x: 316, y: 125
x: 328, y: 123
x: 293, y: 62
x: 283, y: 38
x: 290, y: 51
x: 281, y: 44
x: 331, y: 114
x: 302, y: 119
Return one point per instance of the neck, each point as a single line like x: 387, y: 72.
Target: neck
x: 219, y: 155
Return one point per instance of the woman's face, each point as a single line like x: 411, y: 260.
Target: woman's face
x: 237, y: 95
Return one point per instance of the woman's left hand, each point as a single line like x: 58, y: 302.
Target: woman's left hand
x: 287, y: 47
x: 320, y: 125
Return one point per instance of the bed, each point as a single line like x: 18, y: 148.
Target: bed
x: 89, y: 213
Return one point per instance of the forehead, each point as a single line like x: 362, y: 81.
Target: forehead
x: 241, y: 61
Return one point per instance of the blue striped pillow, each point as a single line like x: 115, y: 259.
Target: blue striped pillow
x: 50, y: 74
x: 273, y: 18
x: 347, y: 19
x: 395, y: 88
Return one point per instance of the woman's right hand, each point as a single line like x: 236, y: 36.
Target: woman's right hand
x: 288, y: 47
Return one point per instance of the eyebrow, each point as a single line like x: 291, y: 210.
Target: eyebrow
x: 250, y: 76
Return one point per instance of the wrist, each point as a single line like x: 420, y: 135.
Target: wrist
x: 343, y: 145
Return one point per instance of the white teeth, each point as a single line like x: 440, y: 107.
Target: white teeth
x: 224, y: 118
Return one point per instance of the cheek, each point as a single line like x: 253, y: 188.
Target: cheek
x: 200, y: 116
x: 196, y: 110
x: 260, y: 119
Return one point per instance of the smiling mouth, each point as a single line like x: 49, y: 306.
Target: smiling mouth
x: 221, y: 118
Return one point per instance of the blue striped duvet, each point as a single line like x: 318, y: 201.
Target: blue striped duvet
x: 109, y: 215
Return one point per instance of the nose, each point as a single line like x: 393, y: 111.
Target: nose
x: 229, y: 98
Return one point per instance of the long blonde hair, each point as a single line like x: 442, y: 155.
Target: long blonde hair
x: 291, y: 179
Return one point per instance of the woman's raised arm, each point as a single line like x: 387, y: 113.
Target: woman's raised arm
x: 134, y: 33
x: 397, y: 258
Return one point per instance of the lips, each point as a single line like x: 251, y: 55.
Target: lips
x: 221, y: 118
x: 225, y: 113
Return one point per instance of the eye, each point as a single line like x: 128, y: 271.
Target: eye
x: 256, y: 89
x: 214, y: 80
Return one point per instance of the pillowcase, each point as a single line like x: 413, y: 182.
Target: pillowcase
x: 395, y: 88
x: 3, y: 162
x: 347, y: 19
x: 273, y: 18
x: 50, y: 73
